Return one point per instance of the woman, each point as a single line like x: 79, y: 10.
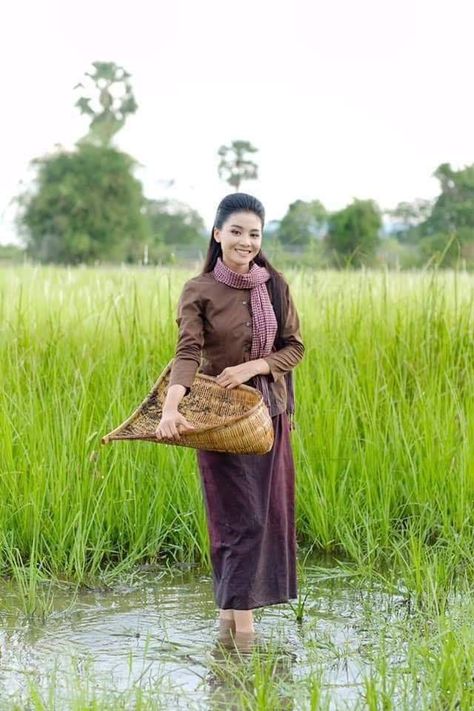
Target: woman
x: 237, y: 321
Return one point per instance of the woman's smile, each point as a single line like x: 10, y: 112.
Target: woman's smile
x: 240, y: 239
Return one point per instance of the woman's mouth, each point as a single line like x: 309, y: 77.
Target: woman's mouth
x: 245, y: 252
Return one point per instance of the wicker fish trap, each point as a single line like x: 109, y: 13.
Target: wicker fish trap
x: 235, y: 421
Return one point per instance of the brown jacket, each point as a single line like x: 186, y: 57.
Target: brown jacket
x: 215, y: 332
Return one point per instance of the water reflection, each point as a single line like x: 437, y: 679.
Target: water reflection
x: 245, y: 666
x: 161, y: 632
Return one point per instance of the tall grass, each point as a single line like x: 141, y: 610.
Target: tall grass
x: 384, y: 443
x: 385, y: 446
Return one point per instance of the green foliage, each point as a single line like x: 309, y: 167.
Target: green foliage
x: 447, y: 235
x: 11, y: 253
x: 234, y: 166
x: 174, y: 223
x: 112, y: 94
x: 87, y: 206
x: 454, y: 208
x: 442, y: 230
x: 395, y: 254
x: 303, y: 222
x: 408, y: 217
x: 442, y: 249
x: 384, y: 439
x: 353, y: 234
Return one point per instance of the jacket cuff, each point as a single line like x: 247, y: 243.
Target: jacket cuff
x: 183, y: 372
x: 274, y: 373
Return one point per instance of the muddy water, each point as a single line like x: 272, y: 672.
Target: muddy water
x: 159, y: 632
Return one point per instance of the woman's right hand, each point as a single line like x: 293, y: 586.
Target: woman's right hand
x: 171, y: 425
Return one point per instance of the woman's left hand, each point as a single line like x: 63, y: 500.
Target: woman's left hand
x: 236, y: 375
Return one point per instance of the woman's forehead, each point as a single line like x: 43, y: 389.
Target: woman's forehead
x: 247, y: 220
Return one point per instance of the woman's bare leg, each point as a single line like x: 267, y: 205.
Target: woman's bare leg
x: 243, y: 622
x: 238, y: 621
x: 226, y: 621
x: 226, y: 614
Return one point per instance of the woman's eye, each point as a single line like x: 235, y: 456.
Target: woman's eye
x: 236, y: 232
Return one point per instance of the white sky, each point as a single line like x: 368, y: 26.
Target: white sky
x: 343, y: 98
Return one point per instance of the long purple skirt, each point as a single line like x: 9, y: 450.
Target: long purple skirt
x: 250, y: 507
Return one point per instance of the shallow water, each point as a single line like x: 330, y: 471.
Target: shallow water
x: 159, y: 632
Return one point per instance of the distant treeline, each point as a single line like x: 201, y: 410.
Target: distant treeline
x: 87, y: 207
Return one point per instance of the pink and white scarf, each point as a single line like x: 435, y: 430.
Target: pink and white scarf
x: 264, y: 322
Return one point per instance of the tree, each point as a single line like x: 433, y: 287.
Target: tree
x: 454, y: 207
x: 234, y: 166
x: 111, y: 93
x: 442, y: 249
x: 408, y: 217
x: 353, y: 233
x: 85, y: 206
x: 303, y: 222
x: 174, y: 223
x: 448, y: 231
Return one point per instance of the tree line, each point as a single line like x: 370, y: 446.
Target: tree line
x: 87, y: 207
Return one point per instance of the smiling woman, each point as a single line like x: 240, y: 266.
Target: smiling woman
x: 237, y: 322
x: 240, y: 242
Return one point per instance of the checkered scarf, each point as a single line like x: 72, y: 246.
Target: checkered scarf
x: 264, y: 323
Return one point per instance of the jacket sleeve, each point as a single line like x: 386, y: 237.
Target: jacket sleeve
x: 190, y: 338
x: 285, y: 359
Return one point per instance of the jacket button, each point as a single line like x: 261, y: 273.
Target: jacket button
x: 248, y: 323
x: 244, y: 302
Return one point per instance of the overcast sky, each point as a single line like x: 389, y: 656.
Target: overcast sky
x: 342, y: 98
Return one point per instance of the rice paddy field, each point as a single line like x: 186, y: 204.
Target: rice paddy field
x: 104, y: 549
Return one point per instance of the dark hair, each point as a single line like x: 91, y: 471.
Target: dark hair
x: 242, y: 202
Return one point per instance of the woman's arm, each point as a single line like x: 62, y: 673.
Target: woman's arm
x: 184, y: 366
x: 172, y: 422
x: 237, y: 374
x: 173, y: 397
x: 190, y: 339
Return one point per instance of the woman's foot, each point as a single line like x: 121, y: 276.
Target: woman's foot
x: 244, y: 641
x: 226, y: 626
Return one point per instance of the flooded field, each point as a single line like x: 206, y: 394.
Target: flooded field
x: 152, y: 641
x: 384, y: 453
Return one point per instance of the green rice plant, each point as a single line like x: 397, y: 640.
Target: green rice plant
x: 82, y: 690
x: 441, y: 660
x: 256, y: 679
x: 298, y: 608
x: 384, y: 439
x: 33, y: 587
x: 384, y: 428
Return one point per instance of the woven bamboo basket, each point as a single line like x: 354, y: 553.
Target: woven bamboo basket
x: 234, y: 421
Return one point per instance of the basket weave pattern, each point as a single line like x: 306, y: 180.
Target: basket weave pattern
x: 235, y: 421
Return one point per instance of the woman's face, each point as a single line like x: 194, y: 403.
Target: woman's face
x: 240, y: 239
